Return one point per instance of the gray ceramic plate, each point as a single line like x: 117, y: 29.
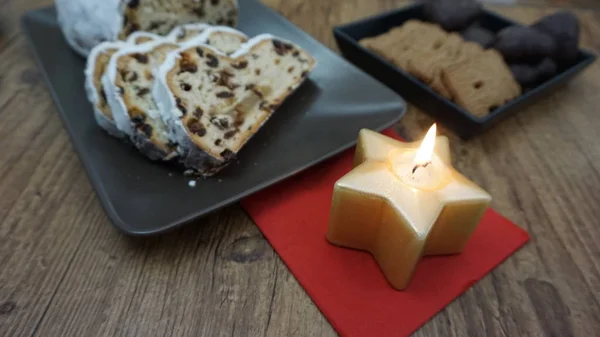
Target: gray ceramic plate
x: 141, y: 197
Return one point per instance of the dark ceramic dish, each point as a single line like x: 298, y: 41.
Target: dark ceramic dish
x: 320, y: 120
x: 443, y: 110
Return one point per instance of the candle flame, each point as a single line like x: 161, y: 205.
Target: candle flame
x: 425, y: 151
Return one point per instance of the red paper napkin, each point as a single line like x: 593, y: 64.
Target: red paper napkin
x: 347, y: 285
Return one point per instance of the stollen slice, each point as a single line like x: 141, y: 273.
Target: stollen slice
x: 214, y: 103
x: 96, y: 64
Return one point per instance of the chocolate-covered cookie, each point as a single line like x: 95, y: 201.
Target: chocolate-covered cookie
x: 563, y: 27
x: 522, y: 44
x: 525, y: 74
x: 476, y: 33
x: 452, y: 15
x: 546, y: 69
x: 530, y: 75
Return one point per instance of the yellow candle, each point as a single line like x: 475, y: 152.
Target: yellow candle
x: 402, y: 201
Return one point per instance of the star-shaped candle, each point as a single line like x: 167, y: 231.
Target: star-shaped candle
x: 403, y: 201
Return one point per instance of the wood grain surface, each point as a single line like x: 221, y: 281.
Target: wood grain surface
x: 65, y: 271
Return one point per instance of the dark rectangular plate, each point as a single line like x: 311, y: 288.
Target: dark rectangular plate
x: 418, y: 93
x: 141, y: 197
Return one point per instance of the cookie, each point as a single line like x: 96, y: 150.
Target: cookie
x: 481, y: 84
x: 469, y: 49
x: 476, y: 33
x: 530, y: 75
x: 546, y: 69
x: 522, y: 44
x: 399, y: 44
x: 438, y: 85
x: 563, y: 27
x: 525, y: 74
x: 428, y: 58
x: 452, y: 15
x: 187, y: 32
x: 429, y: 67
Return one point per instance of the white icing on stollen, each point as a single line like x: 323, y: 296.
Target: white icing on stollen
x: 108, y: 125
x: 177, y: 31
x: 91, y: 65
x: 131, y: 39
x: 247, y: 46
x: 207, y: 33
x: 165, y: 99
x: 104, y: 121
x: 86, y: 23
x: 117, y: 105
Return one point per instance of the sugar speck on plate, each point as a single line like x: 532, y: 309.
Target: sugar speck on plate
x: 192, y: 183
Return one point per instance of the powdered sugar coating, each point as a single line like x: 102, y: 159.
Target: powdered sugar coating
x: 91, y: 64
x: 104, y: 121
x: 117, y: 106
x: 206, y: 34
x: 86, y: 23
x: 177, y: 31
x: 115, y: 101
x: 131, y: 39
x: 166, y: 100
x: 108, y: 124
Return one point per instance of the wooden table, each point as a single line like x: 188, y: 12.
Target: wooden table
x: 65, y: 271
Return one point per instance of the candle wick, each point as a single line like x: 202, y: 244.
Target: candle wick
x: 420, y: 165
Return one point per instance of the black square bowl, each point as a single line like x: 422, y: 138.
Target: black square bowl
x: 418, y: 93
